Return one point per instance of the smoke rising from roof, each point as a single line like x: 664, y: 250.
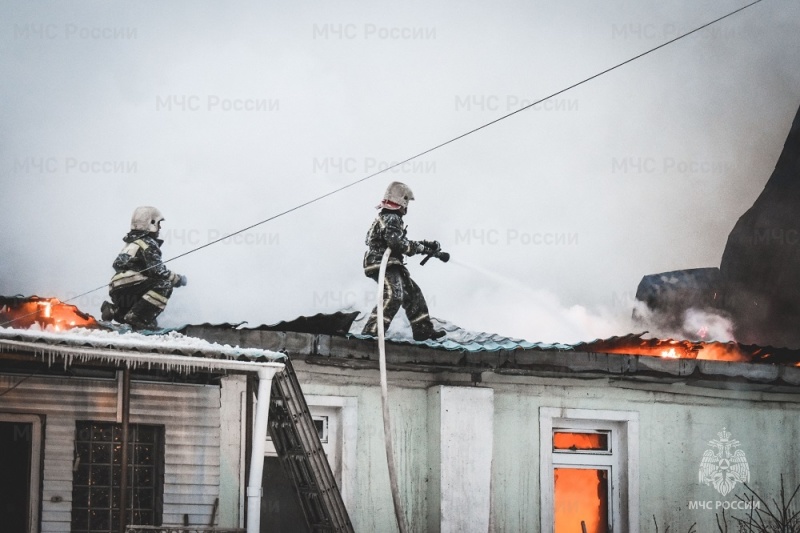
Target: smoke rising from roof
x: 222, y: 116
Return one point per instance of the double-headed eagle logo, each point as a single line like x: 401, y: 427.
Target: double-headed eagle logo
x: 724, y: 468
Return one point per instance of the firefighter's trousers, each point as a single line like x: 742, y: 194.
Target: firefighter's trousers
x: 400, y: 290
x: 145, y: 299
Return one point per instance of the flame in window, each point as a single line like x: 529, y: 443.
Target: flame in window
x: 580, y: 497
x: 563, y: 440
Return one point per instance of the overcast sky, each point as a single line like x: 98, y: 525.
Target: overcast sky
x: 224, y: 114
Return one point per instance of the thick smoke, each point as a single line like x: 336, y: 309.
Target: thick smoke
x: 692, y: 324
x: 222, y: 117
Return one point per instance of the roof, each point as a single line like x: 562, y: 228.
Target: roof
x: 170, y: 351
x: 337, y: 336
x: 50, y: 322
x: 170, y: 343
x: 341, y: 324
x: 338, y: 323
x: 473, y: 364
x: 459, y: 339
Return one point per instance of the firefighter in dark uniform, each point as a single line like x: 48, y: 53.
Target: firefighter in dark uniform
x: 388, y: 231
x: 142, y: 285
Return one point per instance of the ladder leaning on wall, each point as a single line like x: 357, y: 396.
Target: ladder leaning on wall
x: 300, y: 451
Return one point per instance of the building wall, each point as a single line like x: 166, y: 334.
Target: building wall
x: 190, y: 414
x: 676, y: 422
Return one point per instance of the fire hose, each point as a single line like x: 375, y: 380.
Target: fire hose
x: 387, y: 426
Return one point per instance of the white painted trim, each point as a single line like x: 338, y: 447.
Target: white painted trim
x: 348, y: 428
x: 36, y: 464
x: 625, y: 446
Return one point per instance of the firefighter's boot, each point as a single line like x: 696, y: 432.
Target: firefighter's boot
x: 425, y: 331
x: 108, y: 311
x: 144, y: 312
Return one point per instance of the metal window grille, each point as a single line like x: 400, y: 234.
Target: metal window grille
x: 97, y: 472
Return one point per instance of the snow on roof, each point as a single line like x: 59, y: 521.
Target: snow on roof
x: 171, y: 349
x: 459, y: 339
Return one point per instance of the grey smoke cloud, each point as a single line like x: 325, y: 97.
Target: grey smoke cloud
x: 224, y: 115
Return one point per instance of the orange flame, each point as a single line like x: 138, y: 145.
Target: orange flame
x: 722, y: 352
x: 580, y: 496
x: 45, y: 312
x: 670, y: 354
x: 672, y: 349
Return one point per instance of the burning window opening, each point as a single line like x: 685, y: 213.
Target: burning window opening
x: 580, y: 498
x: 580, y: 441
x: 44, y: 313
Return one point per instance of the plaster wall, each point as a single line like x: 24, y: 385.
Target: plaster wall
x: 676, y: 423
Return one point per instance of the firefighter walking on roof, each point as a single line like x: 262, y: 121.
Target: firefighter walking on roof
x: 142, y: 284
x: 389, y: 231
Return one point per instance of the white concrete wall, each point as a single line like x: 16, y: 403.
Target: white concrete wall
x: 675, y: 424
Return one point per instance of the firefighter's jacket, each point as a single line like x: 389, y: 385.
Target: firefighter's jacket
x: 387, y: 231
x: 139, y: 261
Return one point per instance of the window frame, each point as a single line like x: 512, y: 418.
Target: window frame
x: 585, y: 431
x: 341, y: 444
x: 623, y: 461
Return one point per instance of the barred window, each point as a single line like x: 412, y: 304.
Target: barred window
x: 97, y: 475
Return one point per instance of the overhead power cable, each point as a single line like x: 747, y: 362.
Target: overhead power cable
x: 440, y: 145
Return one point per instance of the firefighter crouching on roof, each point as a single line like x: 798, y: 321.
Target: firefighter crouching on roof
x: 388, y: 231
x: 142, y: 284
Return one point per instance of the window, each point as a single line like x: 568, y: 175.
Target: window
x: 589, y: 471
x: 321, y: 423
x: 97, y: 473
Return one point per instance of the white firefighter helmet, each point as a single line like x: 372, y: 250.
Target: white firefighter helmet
x: 146, y: 218
x: 397, y: 196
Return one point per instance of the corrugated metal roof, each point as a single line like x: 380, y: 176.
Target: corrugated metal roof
x: 338, y: 323
x: 456, y: 339
x: 459, y: 339
x: 493, y: 343
x: 171, y: 343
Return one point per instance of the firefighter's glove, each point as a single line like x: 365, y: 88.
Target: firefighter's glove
x: 431, y: 247
x: 417, y: 247
x: 177, y: 280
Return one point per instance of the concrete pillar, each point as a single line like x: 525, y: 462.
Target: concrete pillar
x: 460, y: 438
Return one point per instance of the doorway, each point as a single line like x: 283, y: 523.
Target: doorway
x: 20, y: 440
